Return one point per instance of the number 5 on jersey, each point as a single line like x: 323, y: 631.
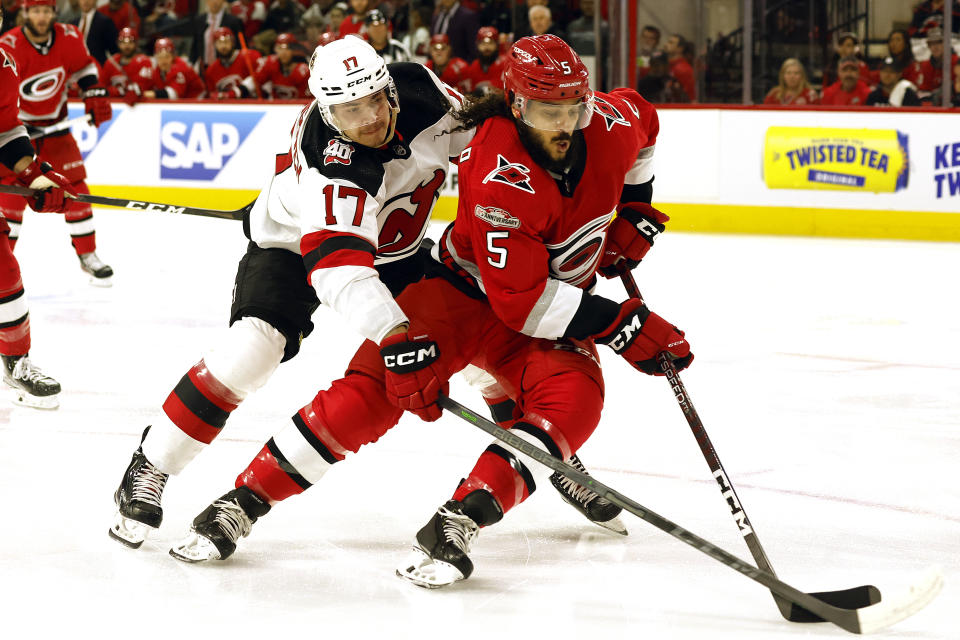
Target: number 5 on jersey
x: 343, y: 192
x: 500, y: 262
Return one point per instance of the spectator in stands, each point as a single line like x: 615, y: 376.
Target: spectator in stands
x: 251, y: 13
x: 442, y: 62
x: 401, y: 18
x: 649, y: 38
x: 160, y: 18
x: 496, y: 13
x: 955, y: 97
x: 485, y: 73
x: 97, y: 30
x: 318, y: 9
x: 893, y: 89
x: 312, y: 30
x: 460, y: 25
x: 279, y: 76
x: 793, y: 87
x: 122, y: 13
x: 541, y: 23
x: 282, y: 17
x: 173, y: 78
x: 898, y: 43
x: 336, y: 17
x: 932, y: 69
x: 68, y: 11
x: 676, y: 49
x: 929, y: 15
x: 417, y: 40
x: 848, y: 44
x: 354, y: 22
x: 202, y: 26
x: 656, y: 84
x: 850, y: 89
x: 378, y: 34
x: 224, y: 77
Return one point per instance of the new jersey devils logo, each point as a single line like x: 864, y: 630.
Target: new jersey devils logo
x: 337, y: 151
x: 403, y: 220
x: 513, y: 174
x: 611, y: 115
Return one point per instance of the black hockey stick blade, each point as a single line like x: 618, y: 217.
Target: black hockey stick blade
x: 864, y: 620
x: 854, y: 598
x: 138, y: 205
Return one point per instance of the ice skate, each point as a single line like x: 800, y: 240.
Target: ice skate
x: 597, y: 510
x: 101, y: 275
x: 440, y: 555
x: 32, y: 388
x: 138, y: 501
x: 215, y: 531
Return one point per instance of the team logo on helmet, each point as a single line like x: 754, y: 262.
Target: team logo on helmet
x: 611, y: 115
x: 513, y: 174
x: 337, y: 151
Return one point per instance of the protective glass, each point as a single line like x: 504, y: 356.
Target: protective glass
x: 362, y: 111
x: 554, y: 116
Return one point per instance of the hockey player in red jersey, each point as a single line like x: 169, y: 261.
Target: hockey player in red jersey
x: 486, y: 72
x: 508, y: 291
x: 279, y: 76
x: 451, y: 70
x: 49, y: 56
x: 225, y: 74
x: 31, y: 386
x: 127, y: 74
x: 173, y: 78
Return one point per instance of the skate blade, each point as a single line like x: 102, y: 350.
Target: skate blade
x: 615, y: 524
x: 101, y: 282
x: 129, y: 532
x: 195, y: 548
x: 423, y: 571
x: 47, y: 403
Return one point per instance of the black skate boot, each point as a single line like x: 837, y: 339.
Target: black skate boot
x: 32, y: 387
x: 215, y: 531
x: 440, y: 555
x: 100, y: 273
x: 597, y: 510
x: 138, y: 500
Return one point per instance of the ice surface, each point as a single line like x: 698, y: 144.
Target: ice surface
x: 827, y: 374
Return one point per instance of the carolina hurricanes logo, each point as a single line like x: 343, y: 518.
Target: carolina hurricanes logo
x: 284, y: 92
x: 609, y: 112
x: 228, y: 82
x: 575, y: 259
x: 337, y: 151
x: 43, y: 85
x: 513, y: 174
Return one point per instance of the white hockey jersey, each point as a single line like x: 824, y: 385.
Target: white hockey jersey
x: 346, y: 207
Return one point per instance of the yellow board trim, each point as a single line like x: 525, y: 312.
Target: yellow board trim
x: 704, y: 218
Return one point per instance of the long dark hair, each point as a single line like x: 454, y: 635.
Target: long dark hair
x: 476, y: 110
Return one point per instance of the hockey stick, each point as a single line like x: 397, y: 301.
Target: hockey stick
x: 139, y: 205
x: 862, y: 620
x: 246, y: 58
x: 36, y: 133
x: 853, y: 598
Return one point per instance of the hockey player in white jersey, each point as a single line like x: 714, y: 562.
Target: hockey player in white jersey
x: 340, y: 223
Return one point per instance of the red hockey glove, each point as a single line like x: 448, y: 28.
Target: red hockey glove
x: 638, y: 335
x: 630, y: 236
x: 96, y: 101
x: 131, y: 94
x: 412, y: 381
x: 53, y: 187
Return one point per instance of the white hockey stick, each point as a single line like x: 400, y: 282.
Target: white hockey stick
x: 63, y: 125
x: 863, y: 620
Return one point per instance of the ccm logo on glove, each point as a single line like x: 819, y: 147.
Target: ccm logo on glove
x: 628, y: 332
x: 409, y: 356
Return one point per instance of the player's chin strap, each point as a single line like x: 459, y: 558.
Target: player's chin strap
x: 848, y: 599
x: 138, y: 205
x: 865, y: 619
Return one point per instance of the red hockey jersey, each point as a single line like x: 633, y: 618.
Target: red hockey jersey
x: 454, y: 73
x: 532, y: 241
x: 180, y: 83
x: 480, y: 80
x: 227, y: 77
x: 44, y: 75
x: 117, y: 76
x: 10, y: 126
x: 276, y: 84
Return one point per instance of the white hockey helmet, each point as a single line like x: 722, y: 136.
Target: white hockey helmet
x: 346, y: 70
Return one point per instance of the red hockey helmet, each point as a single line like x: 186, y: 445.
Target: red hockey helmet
x: 326, y: 38
x: 26, y: 4
x: 439, y: 40
x: 163, y: 44
x: 127, y: 34
x: 488, y: 33
x: 285, y: 40
x: 221, y: 33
